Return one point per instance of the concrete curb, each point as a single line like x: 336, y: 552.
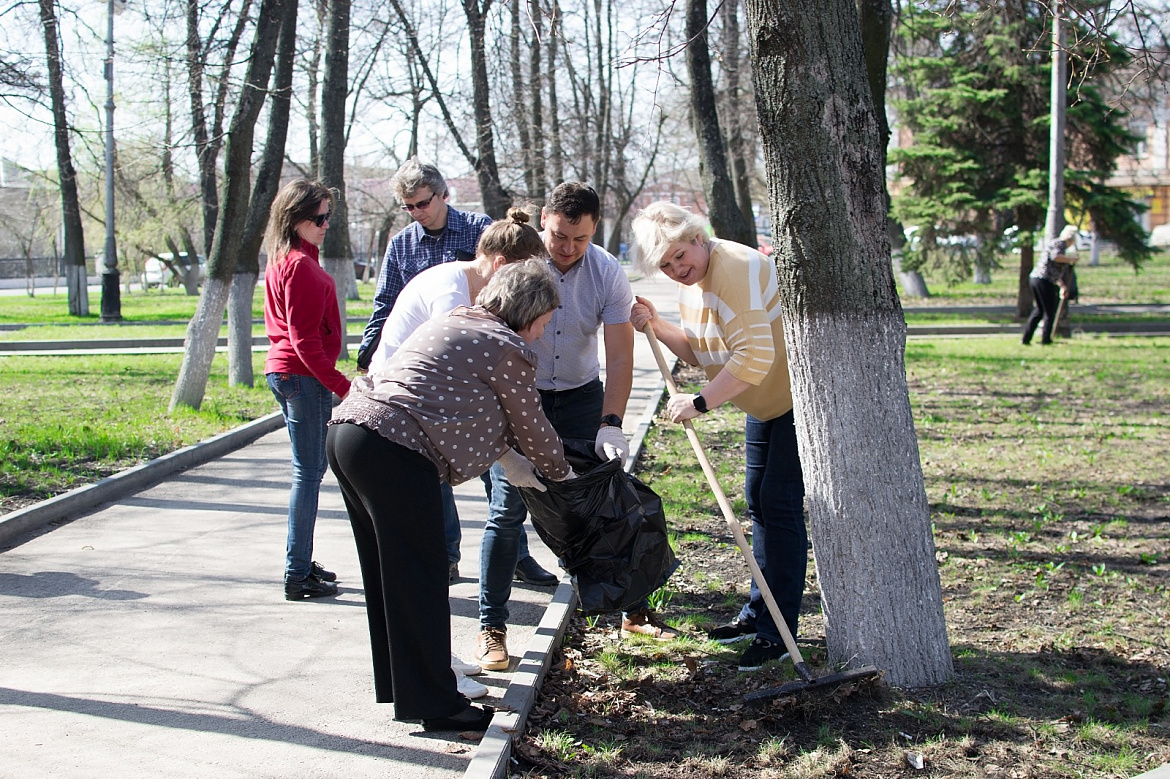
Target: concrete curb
x: 495, y: 748
x: 492, y: 757
x: 84, y: 499
x: 1162, y: 772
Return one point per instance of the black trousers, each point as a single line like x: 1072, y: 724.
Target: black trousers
x: 395, y: 508
x: 1047, y: 298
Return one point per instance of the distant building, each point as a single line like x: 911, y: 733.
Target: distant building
x: 1145, y: 171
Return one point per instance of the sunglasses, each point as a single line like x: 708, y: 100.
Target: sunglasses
x: 321, y: 219
x: 420, y: 205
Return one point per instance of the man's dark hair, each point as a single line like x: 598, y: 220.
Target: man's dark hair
x: 574, y: 200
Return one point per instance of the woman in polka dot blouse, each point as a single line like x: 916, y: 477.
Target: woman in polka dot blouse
x: 456, y: 396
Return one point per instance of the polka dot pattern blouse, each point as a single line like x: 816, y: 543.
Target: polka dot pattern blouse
x: 459, y: 391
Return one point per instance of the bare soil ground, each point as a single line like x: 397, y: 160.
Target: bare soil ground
x: 1056, y: 599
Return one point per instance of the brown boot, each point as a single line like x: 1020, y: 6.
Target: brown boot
x: 491, y: 650
x: 645, y: 622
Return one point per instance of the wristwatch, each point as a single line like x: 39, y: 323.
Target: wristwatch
x: 613, y: 420
x: 700, y: 403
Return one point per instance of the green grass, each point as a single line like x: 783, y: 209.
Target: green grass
x: 66, y: 421
x: 168, y: 305
x: 1045, y: 473
x: 1112, y: 281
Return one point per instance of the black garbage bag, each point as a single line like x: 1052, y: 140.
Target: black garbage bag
x: 608, y: 528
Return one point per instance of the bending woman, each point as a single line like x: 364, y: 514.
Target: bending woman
x: 304, y: 332
x: 731, y: 327
x: 454, y: 397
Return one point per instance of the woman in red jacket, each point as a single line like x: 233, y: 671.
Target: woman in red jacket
x: 304, y: 333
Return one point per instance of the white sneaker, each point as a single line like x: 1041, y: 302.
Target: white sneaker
x: 469, y: 687
x: 469, y: 669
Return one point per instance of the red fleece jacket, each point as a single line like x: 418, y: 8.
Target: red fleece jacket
x: 301, y: 319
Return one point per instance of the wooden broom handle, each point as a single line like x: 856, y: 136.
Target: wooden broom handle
x: 725, y: 506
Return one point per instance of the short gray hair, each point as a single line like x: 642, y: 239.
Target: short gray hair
x: 521, y: 293
x: 659, y: 225
x: 413, y: 175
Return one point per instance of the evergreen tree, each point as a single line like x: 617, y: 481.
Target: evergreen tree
x: 975, y: 80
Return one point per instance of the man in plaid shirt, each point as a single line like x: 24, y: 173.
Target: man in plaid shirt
x: 439, y: 233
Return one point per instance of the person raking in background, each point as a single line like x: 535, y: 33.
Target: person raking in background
x: 1050, y: 282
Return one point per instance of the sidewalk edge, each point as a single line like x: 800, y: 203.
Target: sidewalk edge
x: 495, y: 748
x: 82, y: 500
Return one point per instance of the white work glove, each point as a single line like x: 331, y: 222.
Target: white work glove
x: 520, y: 471
x: 572, y: 475
x: 611, y: 444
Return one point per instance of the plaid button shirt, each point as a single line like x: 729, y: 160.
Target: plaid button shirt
x: 412, y: 251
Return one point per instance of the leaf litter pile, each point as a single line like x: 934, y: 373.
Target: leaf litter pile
x: 1057, y: 596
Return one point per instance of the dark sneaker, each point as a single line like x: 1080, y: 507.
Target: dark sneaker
x: 309, y: 587
x: 530, y: 572
x: 759, y: 652
x: 452, y: 573
x: 736, y: 630
x: 321, y: 573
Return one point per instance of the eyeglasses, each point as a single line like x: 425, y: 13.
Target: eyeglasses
x: 420, y: 205
x: 321, y: 219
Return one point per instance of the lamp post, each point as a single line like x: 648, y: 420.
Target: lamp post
x: 111, y: 290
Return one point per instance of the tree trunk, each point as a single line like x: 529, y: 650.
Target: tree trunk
x: 535, y: 77
x: 75, y: 275
x: 314, y: 83
x: 204, y: 152
x: 496, y: 199
x: 203, y: 330
x: 520, y: 109
x: 263, y: 193
x: 335, y: 252
x: 869, y: 516
x: 1024, y: 295
x: 726, y: 219
x: 739, y: 114
x: 557, y: 158
x: 209, y: 140
x: 876, y: 18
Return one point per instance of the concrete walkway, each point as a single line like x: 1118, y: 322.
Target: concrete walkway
x: 149, y: 636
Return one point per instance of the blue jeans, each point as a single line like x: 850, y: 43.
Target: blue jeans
x: 574, y: 413
x: 451, y: 529
x: 774, y: 486
x: 307, y: 406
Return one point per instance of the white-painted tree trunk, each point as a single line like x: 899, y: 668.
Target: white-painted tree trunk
x: 199, y: 347
x: 868, y: 514
x: 239, y: 311
x: 846, y: 333
x: 77, y: 283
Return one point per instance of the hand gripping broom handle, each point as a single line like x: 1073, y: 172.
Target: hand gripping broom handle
x: 729, y: 515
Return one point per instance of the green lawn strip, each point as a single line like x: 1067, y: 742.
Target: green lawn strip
x: 68, y: 421
x: 1076, y: 318
x: 170, y: 304
x: 1112, y: 281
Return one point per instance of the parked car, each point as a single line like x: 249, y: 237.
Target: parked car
x: 157, y: 272
x: 1160, y: 236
